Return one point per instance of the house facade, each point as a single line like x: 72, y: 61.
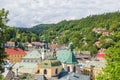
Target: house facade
x: 50, y: 67
x: 14, y: 54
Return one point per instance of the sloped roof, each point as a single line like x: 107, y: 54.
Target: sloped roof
x: 24, y: 67
x: 54, y: 46
x: 10, y: 42
x: 38, y: 77
x: 66, y: 56
x: 29, y: 45
x: 37, y: 43
x: 75, y: 76
x: 96, y: 64
x: 14, y: 51
x: 51, y: 62
x: 100, y: 55
x: 33, y: 54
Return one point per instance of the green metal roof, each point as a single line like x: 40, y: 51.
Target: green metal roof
x: 50, y: 62
x: 33, y: 54
x: 67, y: 57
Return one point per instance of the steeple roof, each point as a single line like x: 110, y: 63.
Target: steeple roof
x: 67, y: 57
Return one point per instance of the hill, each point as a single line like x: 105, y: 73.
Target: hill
x: 90, y: 33
x: 39, y: 28
x: 86, y: 32
x: 26, y: 34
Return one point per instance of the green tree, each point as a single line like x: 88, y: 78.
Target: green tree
x: 3, y: 20
x: 112, y: 70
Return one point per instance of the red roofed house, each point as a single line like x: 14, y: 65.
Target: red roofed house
x: 10, y: 44
x: 105, y: 33
x: 55, y: 46
x: 36, y: 43
x: 15, y: 54
x: 97, y: 43
x: 101, y: 54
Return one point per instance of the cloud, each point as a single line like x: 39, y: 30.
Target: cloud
x: 27, y: 13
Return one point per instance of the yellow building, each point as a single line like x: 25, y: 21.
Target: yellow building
x: 95, y: 70
x: 15, y: 54
x: 50, y: 67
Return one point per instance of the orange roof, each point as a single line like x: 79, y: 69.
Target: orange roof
x: 37, y: 43
x: 10, y: 43
x: 14, y: 51
x: 97, y: 42
x: 54, y: 46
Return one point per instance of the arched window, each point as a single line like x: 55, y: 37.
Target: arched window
x: 45, y: 71
x: 38, y: 71
x: 56, y: 71
x: 74, y: 69
x: 68, y: 68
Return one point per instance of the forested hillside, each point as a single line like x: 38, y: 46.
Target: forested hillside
x: 26, y: 34
x: 84, y: 33
x: 90, y: 33
x: 39, y: 28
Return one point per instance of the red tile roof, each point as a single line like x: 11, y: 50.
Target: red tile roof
x: 14, y: 51
x: 100, y: 55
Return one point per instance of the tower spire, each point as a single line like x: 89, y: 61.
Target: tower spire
x: 71, y: 46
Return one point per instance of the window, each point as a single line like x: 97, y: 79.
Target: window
x: 56, y: 71
x: 68, y: 69
x: 38, y: 71
x: 45, y: 71
x: 74, y: 69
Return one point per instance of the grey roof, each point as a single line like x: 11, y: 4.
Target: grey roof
x: 96, y: 64
x: 75, y: 76
x: 38, y: 77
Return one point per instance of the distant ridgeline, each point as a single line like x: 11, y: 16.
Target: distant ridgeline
x: 90, y: 33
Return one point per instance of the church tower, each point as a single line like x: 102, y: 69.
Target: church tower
x: 43, y: 51
x: 68, y: 59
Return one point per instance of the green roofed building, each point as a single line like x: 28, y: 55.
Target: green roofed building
x: 32, y: 57
x: 29, y: 62
x: 50, y: 67
x: 68, y: 59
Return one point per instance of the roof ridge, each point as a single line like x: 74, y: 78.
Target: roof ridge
x: 71, y: 58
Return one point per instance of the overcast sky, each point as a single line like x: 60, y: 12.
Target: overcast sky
x: 27, y: 13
